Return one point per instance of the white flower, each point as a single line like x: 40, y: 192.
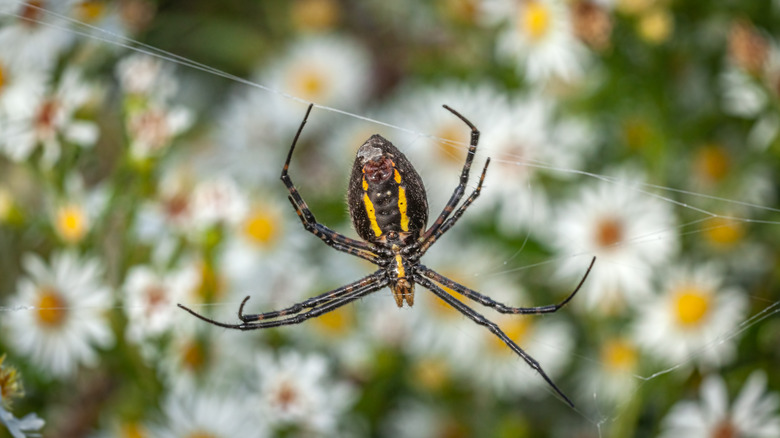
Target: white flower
x: 612, y: 379
x: 192, y: 413
x: 524, y: 142
x: 296, y: 390
x: 32, y: 36
x: 327, y: 70
x: 52, y: 120
x: 21, y: 88
x: 65, y: 320
x: 539, y: 38
x: 142, y: 74
x: 153, y: 128
x: 440, y: 154
x: 218, y: 200
x: 151, y: 298
x: 753, y: 413
x: 73, y: 215
x: 630, y: 233
x: 692, y: 318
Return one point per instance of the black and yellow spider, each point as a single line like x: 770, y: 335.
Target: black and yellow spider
x: 389, y: 210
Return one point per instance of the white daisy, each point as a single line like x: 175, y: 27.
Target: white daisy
x: 523, y: 143
x: 26, y: 37
x: 328, y: 70
x: 297, y: 391
x: 21, y: 88
x: 73, y: 215
x: 692, y: 319
x: 754, y: 412
x: 538, y: 36
x: 66, y: 319
x: 145, y: 75
x: 151, y: 129
x: 611, y: 379
x: 150, y: 299
x: 630, y: 233
x: 439, y: 153
x: 171, y: 212
x: 218, y: 200
x: 192, y: 413
x: 247, y: 134
x: 52, y: 121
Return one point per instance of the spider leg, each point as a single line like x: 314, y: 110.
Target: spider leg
x: 489, y: 302
x: 458, y: 213
x: 318, y: 305
x: 481, y: 320
x: 330, y: 237
x: 464, y: 177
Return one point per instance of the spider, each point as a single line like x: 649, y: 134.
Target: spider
x: 389, y: 211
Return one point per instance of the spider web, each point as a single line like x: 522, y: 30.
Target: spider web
x: 592, y: 414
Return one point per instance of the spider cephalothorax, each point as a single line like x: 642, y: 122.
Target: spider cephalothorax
x: 389, y: 210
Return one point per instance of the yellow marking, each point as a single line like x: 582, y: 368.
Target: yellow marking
x: 399, y: 266
x: 402, y: 208
x: 397, y: 176
x: 370, y: 210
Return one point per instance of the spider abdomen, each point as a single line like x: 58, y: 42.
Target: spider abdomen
x: 386, y: 195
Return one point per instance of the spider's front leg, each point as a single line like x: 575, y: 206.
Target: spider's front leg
x: 331, y: 238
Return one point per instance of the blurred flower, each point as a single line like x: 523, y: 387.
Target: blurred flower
x: 64, y: 320
x: 539, y: 37
x: 52, y: 121
x: 631, y: 235
x: 21, y: 88
x: 74, y: 214
x: 218, y: 200
x: 144, y: 75
x: 150, y: 299
x: 753, y: 413
x: 152, y: 129
x: 333, y: 71
x: 296, y: 391
x: 445, y: 138
x: 748, y: 47
x: 525, y: 144
x: 101, y: 15
x: 692, y: 319
x: 415, y: 419
x: 29, y: 425
x: 33, y: 37
x: 592, y: 23
x: 611, y: 378
x: 197, y: 413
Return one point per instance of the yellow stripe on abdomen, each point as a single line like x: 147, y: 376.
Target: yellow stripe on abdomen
x: 370, y: 210
x: 402, y: 208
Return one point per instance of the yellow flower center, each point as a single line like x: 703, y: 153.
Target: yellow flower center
x: 609, y: 232
x: 309, y: 84
x: 691, y: 306
x: 656, y: 26
x: 431, y: 373
x: 337, y: 322
x: 516, y: 327
x: 2, y: 77
x: 261, y: 227
x: 194, y: 356
x: 452, y: 150
x: 315, y: 14
x: 712, y: 163
x: 535, y: 20
x: 51, y: 307
x: 724, y: 232
x: 619, y: 355
x: 132, y: 430
x: 90, y: 11
x: 200, y: 434
x: 71, y: 223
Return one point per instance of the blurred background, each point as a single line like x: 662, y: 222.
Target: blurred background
x: 141, y: 144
